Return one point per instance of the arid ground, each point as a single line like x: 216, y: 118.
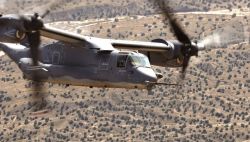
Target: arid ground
x: 212, y: 104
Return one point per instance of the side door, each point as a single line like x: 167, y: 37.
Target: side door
x: 56, y: 57
x: 104, y: 67
x: 121, y: 67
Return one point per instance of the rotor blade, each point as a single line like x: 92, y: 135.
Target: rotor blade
x: 38, y: 97
x: 179, y: 33
x: 185, y: 65
x: 45, y: 14
x: 38, y: 92
x: 34, y: 41
x: 32, y: 23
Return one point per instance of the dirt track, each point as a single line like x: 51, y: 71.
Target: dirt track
x: 220, y: 12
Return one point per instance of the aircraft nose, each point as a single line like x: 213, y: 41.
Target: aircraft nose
x: 148, y: 74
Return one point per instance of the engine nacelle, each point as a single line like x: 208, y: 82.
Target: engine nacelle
x: 171, y: 58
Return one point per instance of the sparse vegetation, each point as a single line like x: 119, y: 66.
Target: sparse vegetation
x: 211, y: 105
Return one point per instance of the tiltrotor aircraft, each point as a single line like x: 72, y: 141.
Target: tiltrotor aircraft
x: 90, y: 61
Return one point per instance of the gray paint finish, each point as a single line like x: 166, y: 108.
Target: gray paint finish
x: 88, y: 61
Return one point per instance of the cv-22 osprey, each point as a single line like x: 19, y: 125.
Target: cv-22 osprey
x: 89, y: 61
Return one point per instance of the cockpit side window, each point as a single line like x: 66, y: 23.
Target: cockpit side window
x: 121, y: 61
x: 139, y: 61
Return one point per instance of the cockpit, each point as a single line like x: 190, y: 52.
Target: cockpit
x: 133, y: 59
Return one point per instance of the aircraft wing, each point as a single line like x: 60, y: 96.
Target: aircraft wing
x: 76, y: 39
x: 142, y: 46
x: 62, y: 35
x: 103, y: 44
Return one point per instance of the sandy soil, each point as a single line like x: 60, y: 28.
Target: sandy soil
x: 211, y: 105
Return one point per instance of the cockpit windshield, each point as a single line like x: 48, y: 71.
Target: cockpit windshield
x: 140, y: 61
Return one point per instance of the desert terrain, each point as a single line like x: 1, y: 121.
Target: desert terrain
x: 212, y: 104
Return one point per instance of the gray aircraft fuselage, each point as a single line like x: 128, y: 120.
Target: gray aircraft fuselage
x: 64, y: 63
x: 88, y: 61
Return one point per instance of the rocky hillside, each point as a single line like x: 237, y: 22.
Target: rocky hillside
x: 211, y: 105
x: 88, y: 9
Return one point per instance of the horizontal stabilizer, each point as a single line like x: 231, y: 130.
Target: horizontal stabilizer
x: 37, y: 68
